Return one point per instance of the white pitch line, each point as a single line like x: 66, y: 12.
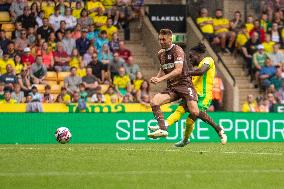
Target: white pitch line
x: 147, y: 149
x: 123, y: 173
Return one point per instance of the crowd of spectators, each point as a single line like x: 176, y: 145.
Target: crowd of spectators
x: 259, y: 40
x: 76, y: 37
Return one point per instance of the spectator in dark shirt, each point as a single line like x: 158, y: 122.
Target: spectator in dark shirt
x: 259, y: 30
x: 9, y: 78
x: 45, y: 30
x: 27, y: 19
x: 61, y: 30
x: 11, y: 51
x: 82, y: 44
x: 90, y: 82
x: 114, y: 43
x: 123, y: 52
x: 97, y: 67
x: 3, y: 41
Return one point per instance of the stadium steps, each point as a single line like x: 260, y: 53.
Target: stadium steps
x: 235, y: 65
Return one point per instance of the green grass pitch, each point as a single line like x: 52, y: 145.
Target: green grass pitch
x: 128, y: 166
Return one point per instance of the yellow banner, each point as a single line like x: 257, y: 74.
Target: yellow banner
x: 91, y: 107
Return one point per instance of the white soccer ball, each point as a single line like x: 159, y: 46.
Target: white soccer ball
x: 63, y: 135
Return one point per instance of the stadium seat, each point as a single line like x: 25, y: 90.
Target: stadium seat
x: 55, y: 89
x: 62, y: 75
x: 104, y: 88
x: 40, y: 88
x: 8, y: 27
x: 9, y: 35
x: 51, y: 76
x: 51, y: 83
x: 73, y: 4
x: 4, y: 17
x: 61, y: 83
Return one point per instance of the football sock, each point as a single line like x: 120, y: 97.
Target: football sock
x: 189, y: 126
x: 174, y: 117
x: 159, y: 116
x: 207, y: 119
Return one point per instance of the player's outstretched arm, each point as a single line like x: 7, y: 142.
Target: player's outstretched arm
x: 199, y: 71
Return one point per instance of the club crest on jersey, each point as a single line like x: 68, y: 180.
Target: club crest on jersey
x: 169, y: 56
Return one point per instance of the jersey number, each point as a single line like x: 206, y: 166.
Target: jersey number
x: 190, y: 92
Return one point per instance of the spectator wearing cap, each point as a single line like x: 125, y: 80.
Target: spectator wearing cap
x: 259, y: 59
x: 3, y: 41
x: 72, y: 81
x: 27, y: 58
x: 22, y: 42
x: 90, y: 82
x: 259, y: 30
x: 7, y: 98
x: 249, y: 105
x: 101, y: 40
x: 69, y: 19
x: 45, y: 30
x: 4, y: 62
x: 68, y: 42
x: 61, y: 59
x: 266, y: 73
x: 38, y: 71
x: 85, y: 21
x: 109, y: 28
x: 131, y: 68
x: 61, y: 31
x: 55, y: 19
x: 82, y: 44
x: 17, y: 94
x: 124, y: 52
x: 36, y: 96
x: 276, y: 56
x: 34, y: 103
x: 27, y: 19
x: 17, y: 8
x: 9, y: 78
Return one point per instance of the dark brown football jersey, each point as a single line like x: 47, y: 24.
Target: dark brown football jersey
x: 168, y: 59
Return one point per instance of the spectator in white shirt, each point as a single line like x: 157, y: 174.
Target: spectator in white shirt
x: 55, y: 19
x: 69, y: 19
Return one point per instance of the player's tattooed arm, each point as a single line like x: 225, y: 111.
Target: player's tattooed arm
x: 199, y: 71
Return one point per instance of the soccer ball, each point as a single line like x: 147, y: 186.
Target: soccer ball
x: 63, y: 135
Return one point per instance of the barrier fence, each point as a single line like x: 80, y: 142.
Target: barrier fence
x: 39, y: 128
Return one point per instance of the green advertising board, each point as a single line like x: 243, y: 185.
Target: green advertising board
x: 39, y: 128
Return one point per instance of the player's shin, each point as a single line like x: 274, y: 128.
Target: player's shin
x: 174, y: 117
x: 207, y: 119
x: 189, y: 126
x: 159, y: 116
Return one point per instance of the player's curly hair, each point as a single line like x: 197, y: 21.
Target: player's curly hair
x: 200, y: 48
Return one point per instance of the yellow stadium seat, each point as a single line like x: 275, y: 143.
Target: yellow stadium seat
x: 67, y: 4
x: 73, y: 4
x: 55, y: 89
x: 5, y: 16
x: 51, y: 76
x: 61, y: 83
x: 8, y: 27
x: 104, y: 88
x: 62, y: 75
x: 51, y: 82
x: 40, y: 88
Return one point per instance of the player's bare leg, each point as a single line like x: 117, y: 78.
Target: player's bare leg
x: 158, y: 100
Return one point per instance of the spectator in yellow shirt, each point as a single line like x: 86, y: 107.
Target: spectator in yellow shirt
x: 205, y: 23
x: 122, y: 82
x: 249, y: 23
x: 249, y: 105
x: 65, y: 97
x: 93, y: 6
x: 221, y: 29
x: 7, y: 98
x: 48, y: 8
x: 76, y: 12
x: 109, y: 28
x: 100, y: 19
x: 4, y: 62
x: 242, y: 37
x: 268, y: 44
